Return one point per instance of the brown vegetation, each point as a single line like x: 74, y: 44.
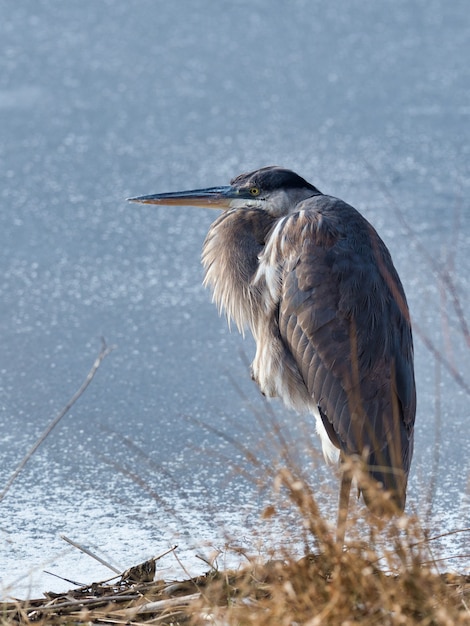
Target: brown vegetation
x: 361, y: 583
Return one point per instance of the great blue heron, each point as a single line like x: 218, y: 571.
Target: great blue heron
x: 316, y: 285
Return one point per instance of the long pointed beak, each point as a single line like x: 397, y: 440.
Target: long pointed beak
x: 212, y: 198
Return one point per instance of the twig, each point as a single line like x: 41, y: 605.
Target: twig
x: 440, y: 536
x: 105, y: 350
x: 161, y: 605
x: 90, y: 553
x: 180, y: 563
x: 67, y: 580
x: 442, y: 359
x: 149, y: 607
x: 207, y: 562
x: 445, y: 558
x: 160, y: 556
x: 90, y: 602
x: 443, y: 273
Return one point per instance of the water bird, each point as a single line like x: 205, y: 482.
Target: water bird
x: 316, y: 285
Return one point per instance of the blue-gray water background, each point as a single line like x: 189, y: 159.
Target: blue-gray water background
x: 100, y: 101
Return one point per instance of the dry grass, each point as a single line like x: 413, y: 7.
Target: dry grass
x: 362, y: 583
x: 365, y: 583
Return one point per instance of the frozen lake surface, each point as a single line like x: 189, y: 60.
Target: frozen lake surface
x: 102, y: 101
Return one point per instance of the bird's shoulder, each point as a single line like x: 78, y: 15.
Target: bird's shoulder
x: 323, y: 233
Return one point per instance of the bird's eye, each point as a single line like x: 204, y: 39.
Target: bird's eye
x: 255, y: 191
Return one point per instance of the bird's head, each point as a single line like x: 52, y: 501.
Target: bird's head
x: 273, y: 189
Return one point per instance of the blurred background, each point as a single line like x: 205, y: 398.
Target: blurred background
x: 100, y: 101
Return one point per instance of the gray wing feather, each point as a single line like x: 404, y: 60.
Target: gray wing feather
x: 343, y: 316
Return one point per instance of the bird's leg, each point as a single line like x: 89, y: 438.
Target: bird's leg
x: 346, y: 480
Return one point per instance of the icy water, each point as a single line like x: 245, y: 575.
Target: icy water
x: 100, y: 101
